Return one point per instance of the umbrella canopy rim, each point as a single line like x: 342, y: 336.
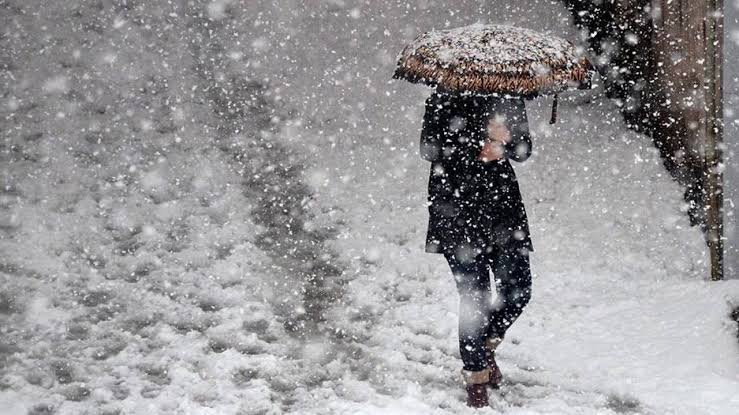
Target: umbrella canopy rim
x: 579, y: 77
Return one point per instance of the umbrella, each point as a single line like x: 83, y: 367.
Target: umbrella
x: 494, y: 59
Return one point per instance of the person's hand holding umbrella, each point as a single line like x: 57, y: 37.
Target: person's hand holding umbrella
x: 498, y: 136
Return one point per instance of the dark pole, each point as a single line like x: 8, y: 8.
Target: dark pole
x: 713, y: 163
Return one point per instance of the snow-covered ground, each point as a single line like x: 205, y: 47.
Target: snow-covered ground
x: 164, y: 222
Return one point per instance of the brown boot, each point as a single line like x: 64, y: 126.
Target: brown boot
x: 496, y: 377
x: 476, y: 385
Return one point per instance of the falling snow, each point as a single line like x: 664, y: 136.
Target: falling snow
x: 218, y: 207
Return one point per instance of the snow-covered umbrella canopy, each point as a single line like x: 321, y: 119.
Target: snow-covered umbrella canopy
x: 492, y: 59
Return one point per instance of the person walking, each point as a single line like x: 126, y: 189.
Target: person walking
x: 477, y: 219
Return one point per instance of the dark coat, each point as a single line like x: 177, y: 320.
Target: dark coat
x: 473, y: 205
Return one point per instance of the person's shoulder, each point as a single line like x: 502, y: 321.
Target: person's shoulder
x: 510, y: 103
x: 438, y: 96
x: 439, y: 100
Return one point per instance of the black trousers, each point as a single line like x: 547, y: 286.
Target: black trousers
x: 479, y: 316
